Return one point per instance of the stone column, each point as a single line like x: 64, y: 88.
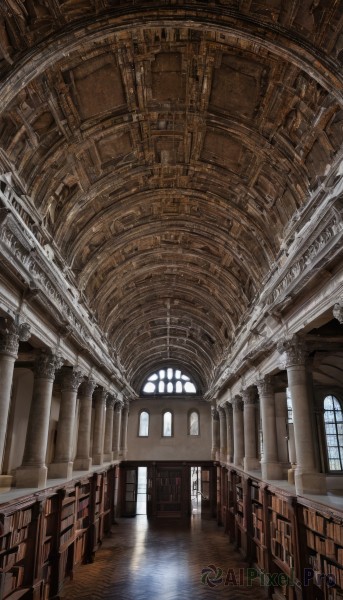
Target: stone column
x: 83, y: 461
x: 108, y: 454
x: 222, y: 433
x: 33, y: 471
x: 238, y: 431
x: 116, y: 430
x: 251, y: 462
x: 10, y: 335
x: 307, y: 478
x: 271, y: 468
x: 100, y: 397
x: 62, y: 465
x: 215, y: 433
x: 123, y: 437
x: 229, y: 432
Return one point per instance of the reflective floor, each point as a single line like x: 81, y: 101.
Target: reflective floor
x: 164, y: 560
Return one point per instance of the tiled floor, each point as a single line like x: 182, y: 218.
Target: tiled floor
x: 163, y: 561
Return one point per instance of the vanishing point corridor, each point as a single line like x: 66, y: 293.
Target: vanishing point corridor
x: 162, y: 560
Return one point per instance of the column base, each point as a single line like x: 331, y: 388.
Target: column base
x: 31, y: 477
x: 82, y: 464
x: 62, y: 470
x: 6, y: 481
x: 271, y: 470
x: 309, y: 483
x: 229, y: 458
x: 251, y: 464
x: 108, y: 457
x: 98, y: 459
x: 238, y: 462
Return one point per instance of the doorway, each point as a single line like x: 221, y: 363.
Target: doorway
x: 142, y: 479
x: 200, y: 490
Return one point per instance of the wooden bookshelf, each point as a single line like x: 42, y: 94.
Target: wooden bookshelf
x: 43, y: 537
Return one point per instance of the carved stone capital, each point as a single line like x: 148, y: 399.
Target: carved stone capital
x: 46, y: 364
x: 87, y: 388
x: 110, y: 401
x: 71, y: 379
x: 337, y: 310
x: 118, y: 407
x: 228, y: 408
x: 237, y: 403
x: 293, y: 350
x: 214, y: 413
x: 10, y: 335
x: 100, y: 396
x: 265, y: 386
x: 249, y: 396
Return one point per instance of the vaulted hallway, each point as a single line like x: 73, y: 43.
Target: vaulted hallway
x: 163, y: 559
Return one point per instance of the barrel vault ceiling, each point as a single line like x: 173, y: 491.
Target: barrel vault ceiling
x: 162, y: 149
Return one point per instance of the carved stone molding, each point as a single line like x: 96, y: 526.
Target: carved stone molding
x: 10, y: 335
x: 71, y: 379
x: 265, y: 386
x: 87, y: 388
x: 237, y: 403
x: 293, y: 350
x: 46, y: 364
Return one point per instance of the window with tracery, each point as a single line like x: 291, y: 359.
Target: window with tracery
x: 169, y: 381
x: 333, y: 423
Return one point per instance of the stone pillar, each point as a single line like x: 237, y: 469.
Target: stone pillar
x: 281, y: 418
x: 229, y: 432
x: 222, y: 433
x: 271, y: 468
x: 116, y: 430
x: 100, y: 397
x: 108, y: 454
x: 238, y: 431
x: 123, y: 436
x: 33, y: 471
x: 62, y: 465
x: 307, y: 478
x: 215, y: 433
x: 10, y: 335
x: 83, y: 460
x: 251, y: 462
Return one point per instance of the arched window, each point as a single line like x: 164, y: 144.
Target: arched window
x: 167, y: 426
x: 169, y: 381
x: 143, y: 428
x: 333, y: 422
x: 193, y: 423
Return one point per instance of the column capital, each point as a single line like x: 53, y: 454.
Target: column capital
x: 249, y: 396
x: 228, y: 407
x: 110, y: 400
x: 46, y: 364
x: 337, y: 310
x: 118, y: 407
x: 237, y: 402
x: 10, y: 335
x: 87, y: 387
x: 293, y: 349
x: 265, y: 386
x: 100, y: 395
x: 71, y: 379
x: 214, y: 413
x: 221, y: 411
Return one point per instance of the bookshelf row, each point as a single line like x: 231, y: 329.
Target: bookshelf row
x: 44, y: 536
x: 297, y: 541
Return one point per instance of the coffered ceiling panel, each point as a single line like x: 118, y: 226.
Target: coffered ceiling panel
x: 166, y: 147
